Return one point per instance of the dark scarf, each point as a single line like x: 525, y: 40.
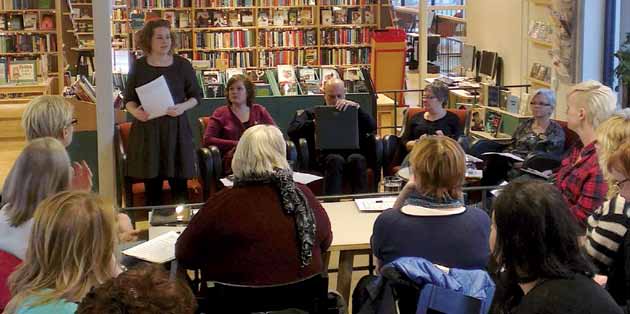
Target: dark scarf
x: 294, y: 203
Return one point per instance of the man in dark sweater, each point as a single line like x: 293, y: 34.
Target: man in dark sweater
x: 333, y: 163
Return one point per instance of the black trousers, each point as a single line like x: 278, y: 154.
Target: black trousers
x: 354, y: 167
x: 153, y: 190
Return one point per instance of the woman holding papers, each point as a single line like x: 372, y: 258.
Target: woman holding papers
x: 266, y: 229
x: 71, y: 249
x: 538, y: 134
x: 161, y: 142
x: 228, y: 122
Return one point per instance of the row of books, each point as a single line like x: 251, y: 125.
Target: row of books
x: 284, y: 17
x: 346, y: 36
x: 25, y: 4
x: 120, y: 28
x: 275, y: 3
x: 347, y: 2
x: 177, y: 19
x: 298, y: 57
x: 27, y: 21
x: 240, y: 59
x: 235, y: 39
x: 541, y: 72
x: 28, y: 43
x: 224, y: 18
x: 160, y: 3
x: 287, y: 38
x: 347, y: 16
x: 223, y: 3
x: 84, y: 90
x: 84, y: 26
x: 183, y: 41
x: 119, y: 14
x: 345, y: 56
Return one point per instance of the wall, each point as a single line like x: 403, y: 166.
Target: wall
x: 593, y: 40
x: 625, y: 21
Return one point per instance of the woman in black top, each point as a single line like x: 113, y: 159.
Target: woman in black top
x: 161, y: 148
x: 534, y: 241
x: 435, y: 120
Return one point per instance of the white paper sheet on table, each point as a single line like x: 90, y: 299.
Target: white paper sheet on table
x: 471, y: 158
x: 299, y: 177
x: 377, y: 204
x: 508, y: 155
x: 155, y: 97
x: 160, y: 249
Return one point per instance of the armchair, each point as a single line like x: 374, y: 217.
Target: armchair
x: 131, y: 189
x: 393, y: 149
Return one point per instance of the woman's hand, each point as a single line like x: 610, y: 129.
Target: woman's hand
x: 175, y: 111
x: 139, y: 113
x: 81, y: 176
x: 126, y: 233
x: 439, y: 132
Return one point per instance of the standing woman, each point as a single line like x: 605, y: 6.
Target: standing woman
x: 161, y: 148
x: 228, y: 122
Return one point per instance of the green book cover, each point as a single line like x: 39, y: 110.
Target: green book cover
x: 271, y: 78
x: 44, y: 4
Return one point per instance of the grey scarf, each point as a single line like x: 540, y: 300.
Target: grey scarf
x: 294, y: 203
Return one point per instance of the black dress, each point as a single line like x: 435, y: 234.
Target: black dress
x: 162, y: 147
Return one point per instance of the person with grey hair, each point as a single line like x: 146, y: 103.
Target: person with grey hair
x: 539, y: 135
x: 435, y: 120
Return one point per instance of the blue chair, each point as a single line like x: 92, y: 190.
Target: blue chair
x: 434, y: 298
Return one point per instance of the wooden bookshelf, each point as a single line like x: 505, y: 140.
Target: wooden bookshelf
x: 539, y: 82
x: 543, y: 43
x: 46, y: 44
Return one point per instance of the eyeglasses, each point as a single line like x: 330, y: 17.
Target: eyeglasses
x: 73, y: 122
x: 542, y: 104
x: 619, y: 184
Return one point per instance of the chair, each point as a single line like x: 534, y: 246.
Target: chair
x: 133, y: 189
x: 211, y: 162
x: 8, y: 263
x: 394, y: 150
x: 434, y: 298
x: 310, y: 295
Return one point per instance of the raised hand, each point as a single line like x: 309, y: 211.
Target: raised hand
x: 81, y: 176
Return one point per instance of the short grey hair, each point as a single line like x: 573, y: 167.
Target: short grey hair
x: 259, y: 152
x: 46, y: 116
x: 440, y: 90
x: 41, y: 170
x: 549, y: 94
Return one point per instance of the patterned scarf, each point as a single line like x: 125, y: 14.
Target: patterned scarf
x: 294, y: 203
x: 427, y: 201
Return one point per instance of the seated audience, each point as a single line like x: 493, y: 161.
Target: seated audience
x: 580, y: 178
x: 227, y: 123
x: 266, y: 229
x: 435, y: 120
x: 41, y: 170
x: 334, y: 163
x: 607, y: 228
x: 538, y: 134
x: 429, y: 209
x: 143, y: 289
x: 70, y: 250
x: 534, y: 239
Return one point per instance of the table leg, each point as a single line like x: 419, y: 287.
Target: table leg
x: 344, y: 276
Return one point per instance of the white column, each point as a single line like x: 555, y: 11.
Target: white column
x: 101, y: 10
x: 423, y: 13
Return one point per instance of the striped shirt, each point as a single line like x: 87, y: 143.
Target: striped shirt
x: 606, y: 230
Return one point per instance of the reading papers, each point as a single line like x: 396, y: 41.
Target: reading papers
x: 160, y: 249
x: 155, y: 97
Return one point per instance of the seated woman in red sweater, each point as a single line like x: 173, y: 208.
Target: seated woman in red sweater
x: 227, y: 124
x: 265, y: 230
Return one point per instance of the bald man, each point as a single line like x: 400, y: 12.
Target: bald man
x: 334, y: 163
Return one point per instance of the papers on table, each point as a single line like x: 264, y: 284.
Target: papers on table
x: 155, y: 97
x: 508, y: 155
x: 536, y: 173
x: 473, y: 159
x: 377, y: 204
x: 299, y: 177
x: 160, y: 249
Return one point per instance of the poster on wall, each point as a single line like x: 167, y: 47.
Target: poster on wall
x: 563, y: 52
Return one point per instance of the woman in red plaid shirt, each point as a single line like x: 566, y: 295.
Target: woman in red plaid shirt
x: 579, y: 178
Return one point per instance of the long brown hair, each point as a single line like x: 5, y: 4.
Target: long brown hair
x: 249, y: 87
x: 70, y: 250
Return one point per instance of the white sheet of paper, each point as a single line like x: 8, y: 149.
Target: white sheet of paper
x: 299, y: 177
x: 155, y: 97
x: 471, y: 158
x: 508, y: 155
x: 377, y: 204
x: 160, y: 249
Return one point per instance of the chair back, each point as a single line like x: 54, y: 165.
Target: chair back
x: 436, y: 299
x: 570, y: 137
x: 462, y: 114
x: 8, y: 263
x: 123, y: 130
x: 203, y: 124
x: 309, y: 295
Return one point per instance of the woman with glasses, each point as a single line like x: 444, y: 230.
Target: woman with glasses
x: 607, y: 228
x: 539, y: 134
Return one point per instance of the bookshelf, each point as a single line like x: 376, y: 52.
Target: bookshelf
x: 80, y: 13
x: 539, y: 43
x: 30, y: 48
x: 258, y: 33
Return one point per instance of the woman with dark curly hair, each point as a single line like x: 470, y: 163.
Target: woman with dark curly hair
x: 534, y: 240
x: 144, y: 289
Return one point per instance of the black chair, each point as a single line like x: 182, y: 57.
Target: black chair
x: 310, y: 295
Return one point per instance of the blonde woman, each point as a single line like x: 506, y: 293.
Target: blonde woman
x: 70, y: 250
x: 266, y: 229
x: 610, y: 135
x: 41, y: 170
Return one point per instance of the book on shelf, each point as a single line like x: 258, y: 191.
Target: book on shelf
x: 47, y: 22
x: 256, y: 76
x: 30, y: 20
x: 340, y: 15
x: 327, y: 17
x: 234, y: 19
x: 247, y: 18
x: 368, y: 16
x: 263, y: 19
x: 540, y: 30
x: 280, y: 17
x: 3, y: 70
x: 219, y: 19
x: 293, y: 17
x: 309, y: 82
x: 202, y: 18
x: 477, y: 119
x: 287, y: 80
x: 183, y: 20
x: 15, y: 23
x: 170, y: 17
x: 310, y: 56
x: 306, y: 16
x: 328, y: 73
x: 22, y: 71
x: 493, y: 122
x: 355, y: 16
x: 273, y: 83
x: 231, y: 72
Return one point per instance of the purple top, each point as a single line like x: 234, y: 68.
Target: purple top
x: 225, y: 129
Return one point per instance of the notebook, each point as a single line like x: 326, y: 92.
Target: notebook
x: 336, y: 129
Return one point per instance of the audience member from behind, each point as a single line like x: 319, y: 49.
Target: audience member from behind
x: 143, y: 289
x: 607, y: 232
x: 429, y: 209
x: 70, y: 250
x: 611, y: 134
x: 227, y: 123
x: 334, y: 163
x: 580, y: 178
x: 534, y: 239
x: 52, y: 116
x: 41, y: 170
x: 266, y: 229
